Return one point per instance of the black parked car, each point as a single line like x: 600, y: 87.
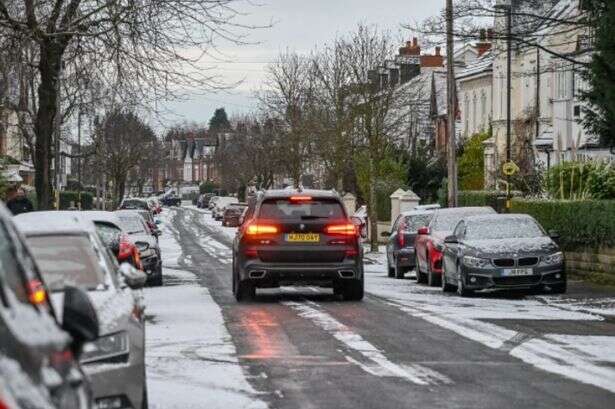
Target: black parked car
x: 400, y: 245
x: 39, y: 365
x: 502, y: 252
x: 298, y: 237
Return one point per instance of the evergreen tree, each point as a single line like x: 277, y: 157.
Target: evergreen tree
x: 600, y: 110
x: 219, y: 122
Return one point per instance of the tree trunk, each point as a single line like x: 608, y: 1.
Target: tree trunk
x: 49, y: 68
x: 372, y: 207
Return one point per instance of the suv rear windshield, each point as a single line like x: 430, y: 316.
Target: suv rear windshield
x: 280, y: 209
x: 134, y: 204
x: 415, y: 222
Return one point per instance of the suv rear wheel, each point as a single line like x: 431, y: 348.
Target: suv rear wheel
x: 353, y: 290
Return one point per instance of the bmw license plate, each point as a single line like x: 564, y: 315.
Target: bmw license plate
x: 303, y: 237
x: 516, y: 272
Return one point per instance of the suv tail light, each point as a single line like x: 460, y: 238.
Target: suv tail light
x: 342, y: 229
x: 256, y: 229
x: 401, y: 238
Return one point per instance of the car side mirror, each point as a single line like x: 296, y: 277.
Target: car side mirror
x: 451, y: 240
x: 423, y: 231
x: 358, y: 222
x: 554, y: 234
x: 79, y: 317
x: 133, y: 278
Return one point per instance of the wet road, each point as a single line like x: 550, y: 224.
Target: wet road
x: 405, y: 345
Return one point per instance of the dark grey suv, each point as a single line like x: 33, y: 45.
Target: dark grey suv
x: 502, y: 252
x: 294, y: 237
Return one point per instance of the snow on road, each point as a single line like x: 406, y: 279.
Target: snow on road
x: 191, y: 359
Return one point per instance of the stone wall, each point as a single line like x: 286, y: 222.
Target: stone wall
x: 596, y: 265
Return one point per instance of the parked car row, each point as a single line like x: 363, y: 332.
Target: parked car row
x: 471, y: 249
x: 72, y: 320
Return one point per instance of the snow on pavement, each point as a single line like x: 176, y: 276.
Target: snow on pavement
x: 191, y: 359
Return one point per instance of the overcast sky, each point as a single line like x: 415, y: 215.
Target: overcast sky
x: 298, y: 25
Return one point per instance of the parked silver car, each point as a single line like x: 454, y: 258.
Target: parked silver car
x: 70, y: 252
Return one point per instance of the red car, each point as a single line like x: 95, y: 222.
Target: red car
x: 429, y: 241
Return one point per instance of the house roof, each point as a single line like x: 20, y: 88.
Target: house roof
x: 483, y: 64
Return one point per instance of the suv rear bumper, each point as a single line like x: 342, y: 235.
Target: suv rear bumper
x: 276, y: 274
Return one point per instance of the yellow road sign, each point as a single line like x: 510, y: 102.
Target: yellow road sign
x: 510, y: 168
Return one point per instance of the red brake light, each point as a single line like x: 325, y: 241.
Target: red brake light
x: 4, y: 405
x: 36, y: 292
x: 300, y: 198
x: 256, y: 229
x: 345, y: 229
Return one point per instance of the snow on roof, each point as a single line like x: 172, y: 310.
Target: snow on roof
x: 482, y: 64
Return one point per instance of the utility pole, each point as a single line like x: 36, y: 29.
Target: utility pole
x: 508, y: 81
x: 79, y: 157
x: 451, y: 150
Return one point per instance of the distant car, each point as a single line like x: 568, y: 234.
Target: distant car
x: 502, y: 252
x: 70, y: 253
x: 147, y: 243
x: 134, y: 203
x: 203, y: 200
x: 298, y: 237
x: 155, y: 205
x: 232, y: 214
x: 221, y: 204
x: 109, y: 228
x: 33, y: 342
x: 171, y: 200
x: 212, y: 202
x: 401, y: 256
x: 429, y: 242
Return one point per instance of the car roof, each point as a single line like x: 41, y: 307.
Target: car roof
x: 283, y: 193
x: 52, y: 222
x: 495, y: 217
x: 460, y: 210
x: 99, y: 216
x: 418, y: 212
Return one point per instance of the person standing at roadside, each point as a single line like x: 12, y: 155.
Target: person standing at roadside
x: 17, y: 202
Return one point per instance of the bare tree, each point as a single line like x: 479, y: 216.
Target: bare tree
x: 151, y: 48
x: 287, y: 97
x: 372, y: 104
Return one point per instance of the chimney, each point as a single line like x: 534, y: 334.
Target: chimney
x: 484, y: 44
x: 411, y: 48
x: 433, y: 61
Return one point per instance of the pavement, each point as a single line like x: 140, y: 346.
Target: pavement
x: 404, y: 345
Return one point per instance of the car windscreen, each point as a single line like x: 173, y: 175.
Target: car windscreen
x: 415, y: 222
x: 10, y: 271
x: 67, y: 260
x: 509, y: 228
x: 280, y: 209
x: 132, y: 224
x: 134, y: 204
x: 447, y: 221
x: 108, y: 233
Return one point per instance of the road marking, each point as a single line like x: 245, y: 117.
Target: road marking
x: 374, y: 361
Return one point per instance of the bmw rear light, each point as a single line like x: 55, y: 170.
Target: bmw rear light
x: 257, y: 229
x: 343, y: 229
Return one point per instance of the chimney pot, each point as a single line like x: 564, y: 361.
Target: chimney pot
x: 483, y: 34
x: 490, y: 34
x: 438, y: 49
x: 415, y: 41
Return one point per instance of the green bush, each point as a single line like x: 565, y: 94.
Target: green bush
x: 581, y: 180
x: 67, y: 197
x: 586, y: 223
x: 493, y: 198
x: 207, y: 187
x: 472, y: 163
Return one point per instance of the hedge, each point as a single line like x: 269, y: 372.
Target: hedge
x: 581, y: 224
x: 66, y: 197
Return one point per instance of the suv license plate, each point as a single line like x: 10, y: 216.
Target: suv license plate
x: 303, y: 237
x: 516, y: 272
